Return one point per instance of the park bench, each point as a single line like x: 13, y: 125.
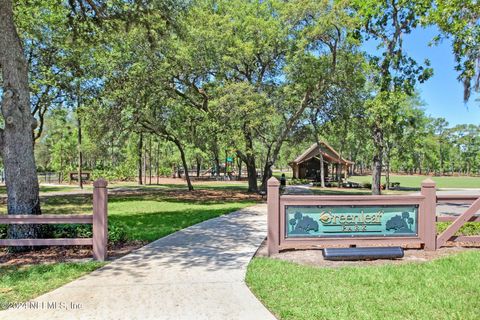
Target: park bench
x: 74, y: 176
x: 394, y: 185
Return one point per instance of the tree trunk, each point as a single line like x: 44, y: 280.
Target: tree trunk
x: 377, y: 162
x: 252, y: 174
x: 158, y: 162
x: 79, y: 142
x: 139, y: 154
x: 322, y: 170
x: 145, y: 164
x: 184, y: 163
x: 377, y: 174
x: 16, y: 140
x: 267, y: 174
x: 387, y: 174
x: 319, y: 146
x: 239, y: 165
x: 217, y: 165
x: 150, y: 160
x: 267, y: 171
x: 199, y: 163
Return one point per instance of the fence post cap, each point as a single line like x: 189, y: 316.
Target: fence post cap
x: 100, y: 183
x: 272, y: 182
x: 428, y: 183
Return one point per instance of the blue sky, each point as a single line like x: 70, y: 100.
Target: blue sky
x: 443, y: 93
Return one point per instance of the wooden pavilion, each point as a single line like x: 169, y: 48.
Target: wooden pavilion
x: 307, y: 165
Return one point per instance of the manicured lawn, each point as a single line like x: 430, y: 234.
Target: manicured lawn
x: 18, y: 284
x: 181, y: 185
x: 351, y: 191
x: 47, y: 188
x: 447, y: 288
x: 278, y: 174
x: 147, y: 217
x: 415, y: 181
x: 212, y: 185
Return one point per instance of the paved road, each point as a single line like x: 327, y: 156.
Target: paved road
x: 453, y: 208
x: 298, y: 189
x: 195, y: 273
x: 442, y: 209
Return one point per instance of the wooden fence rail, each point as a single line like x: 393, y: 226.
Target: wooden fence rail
x: 98, y: 220
x: 458, y: 221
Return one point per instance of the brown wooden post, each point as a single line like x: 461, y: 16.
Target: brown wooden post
x: 429, y: 212
x: 100, y: 224
x: 273, y: 217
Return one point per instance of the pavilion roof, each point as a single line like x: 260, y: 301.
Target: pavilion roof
x: 329, y: 154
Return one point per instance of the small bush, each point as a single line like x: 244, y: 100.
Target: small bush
x: 367, y: 185
x: 165, y: 171
x: 3, y: 231
x: 116, y: 232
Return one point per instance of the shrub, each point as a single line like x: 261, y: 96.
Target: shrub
x: 165, y: 171
x: 116, y: 232
x: 3, y: 231
x: 298, y: 181
x: 367, y: 185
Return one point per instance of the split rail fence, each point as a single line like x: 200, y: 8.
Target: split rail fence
x: 98, y: 220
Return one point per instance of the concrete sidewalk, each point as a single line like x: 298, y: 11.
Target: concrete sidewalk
x: 195, y: 273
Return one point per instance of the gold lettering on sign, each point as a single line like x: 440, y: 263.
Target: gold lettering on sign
x: 351, y: 222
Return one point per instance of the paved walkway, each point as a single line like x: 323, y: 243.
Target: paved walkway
x: 195, y: 273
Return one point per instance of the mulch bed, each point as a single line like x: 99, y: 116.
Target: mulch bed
x: 212, y: 195
x: 315, y: 257
x: 63, y: 254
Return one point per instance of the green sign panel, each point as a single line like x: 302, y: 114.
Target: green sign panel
x: 351, y: 221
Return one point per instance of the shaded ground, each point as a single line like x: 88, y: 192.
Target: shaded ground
x: 63, y: 254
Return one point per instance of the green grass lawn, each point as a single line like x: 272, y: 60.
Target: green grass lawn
x: 415, y: 181
x: 447, y: 288
x: 146, y: 217
x: 18, y: 284
x: 181, y: 185
x: 47, y: 188
x: 351, y: 191
x: 213, y: 185
x: 278, y: 174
